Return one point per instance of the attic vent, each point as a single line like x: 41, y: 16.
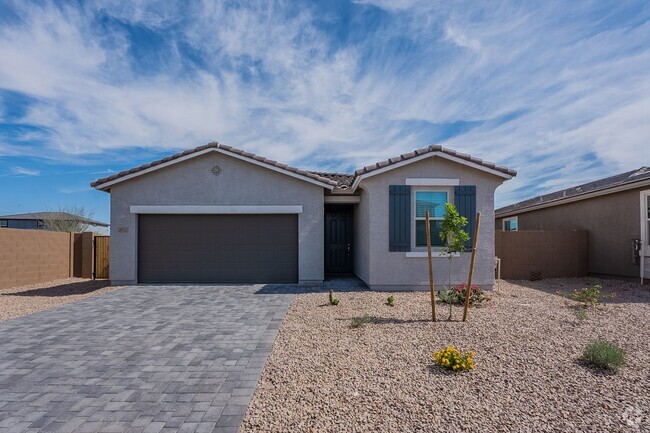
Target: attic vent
x: 216, y: 170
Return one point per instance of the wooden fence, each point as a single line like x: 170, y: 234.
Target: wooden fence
x: 102, y: 254
x: 532, y: 254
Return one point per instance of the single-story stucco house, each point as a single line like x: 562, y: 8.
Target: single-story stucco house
x: 216, y: 214
x: 614, y: 210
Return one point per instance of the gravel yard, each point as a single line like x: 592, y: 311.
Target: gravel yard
x: 324, y: 376
x: 21, y: 301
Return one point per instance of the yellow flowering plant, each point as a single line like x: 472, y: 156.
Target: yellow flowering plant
x: 452, y: 359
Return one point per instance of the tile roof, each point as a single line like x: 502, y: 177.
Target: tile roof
x: 343, y: 180
x: 338, y: 180
x: 228, y: 149
x: 49, y: 216
x: 431, y: 149
x: 626, y: 178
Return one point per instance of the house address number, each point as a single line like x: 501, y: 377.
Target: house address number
x: 123, y: 229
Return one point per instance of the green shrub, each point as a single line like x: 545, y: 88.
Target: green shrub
x: 589, y: 296
x: 359, y: 321
x: 581, y: 312
x: 457, y: 295
x: 603, y: 354
x: 332, y: 299
x: 390, y: 300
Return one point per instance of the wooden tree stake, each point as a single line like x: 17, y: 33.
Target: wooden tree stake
x: 433, y: 293
x: 471, y: 267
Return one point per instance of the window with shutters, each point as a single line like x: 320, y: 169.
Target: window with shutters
x: 432, y: 200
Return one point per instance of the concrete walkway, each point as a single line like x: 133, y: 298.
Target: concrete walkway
x: 141, y: 359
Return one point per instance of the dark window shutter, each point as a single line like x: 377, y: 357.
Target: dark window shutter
x: 399, y: 218
x: 465, y: 202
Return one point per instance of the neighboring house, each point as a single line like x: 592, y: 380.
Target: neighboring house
x: 614, y: 210
x: 219, y: 214
x: 37, y: 220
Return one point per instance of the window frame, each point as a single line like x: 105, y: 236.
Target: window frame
x: 503, y: 223
x: 4, y: 223
x: 414, y: 218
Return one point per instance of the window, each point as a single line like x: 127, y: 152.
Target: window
x: 510, y: 224
x: 4, y: 223
x: 434, y: 202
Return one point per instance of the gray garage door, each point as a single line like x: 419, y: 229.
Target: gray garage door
x: 218, y: 249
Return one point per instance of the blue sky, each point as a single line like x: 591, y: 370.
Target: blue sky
x: 559, y: 91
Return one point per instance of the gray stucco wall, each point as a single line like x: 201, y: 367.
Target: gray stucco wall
x: 361, y: 259
x: 393, y: 270
x: 612, y: 220
x: 191, y: 183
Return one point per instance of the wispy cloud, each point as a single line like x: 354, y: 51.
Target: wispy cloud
x: 22, y: 171
x: 558, y: 91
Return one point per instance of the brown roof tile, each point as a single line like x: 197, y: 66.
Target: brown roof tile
x: 431, y: 149
x: 339, y: 180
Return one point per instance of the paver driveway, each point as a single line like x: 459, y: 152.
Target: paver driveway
x: 141, y: 359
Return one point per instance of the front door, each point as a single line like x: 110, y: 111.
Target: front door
x: 338, y: 240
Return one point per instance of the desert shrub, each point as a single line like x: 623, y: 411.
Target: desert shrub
x: 390, y: 301
x: 332, y: 299
x: 603, y: 354
x: 457, y: 294
x: 580, y: 312
x: 452, y: 359
x: 589, y: 296
x: 359, y: 321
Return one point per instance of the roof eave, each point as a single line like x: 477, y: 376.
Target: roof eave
x: 574, y: 198
x: 360, y: 177
x: 105, y: 186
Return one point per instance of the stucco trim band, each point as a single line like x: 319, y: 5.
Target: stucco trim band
x: 214, y: 210
x: 417, y: 181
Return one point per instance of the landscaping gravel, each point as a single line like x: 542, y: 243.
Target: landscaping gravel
x: 323, y: 376
x: 24, y: 300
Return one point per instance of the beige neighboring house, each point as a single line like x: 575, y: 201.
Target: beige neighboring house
x: 615, y: 211
x: 216, y: 214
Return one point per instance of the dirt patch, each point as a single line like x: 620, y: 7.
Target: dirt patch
x: 324, y: 376
x: 24, y: 300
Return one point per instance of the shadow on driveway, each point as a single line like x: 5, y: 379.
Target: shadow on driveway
x: 70, y: 289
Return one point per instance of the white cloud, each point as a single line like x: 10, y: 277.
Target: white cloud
x: 22, y: 171
x: 576, y: 91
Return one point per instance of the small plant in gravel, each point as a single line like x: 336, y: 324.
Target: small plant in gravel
x: 454, y: 360
x: 603, y: 354
x: 360, y: 321
x: 581, y: 312
x: 456, y: 296
x: 390, y: 301
x: 332, y: 299
x: 589, y: 296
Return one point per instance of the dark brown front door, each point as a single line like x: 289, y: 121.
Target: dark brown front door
x: 218, y: 249
x: 338, y: 240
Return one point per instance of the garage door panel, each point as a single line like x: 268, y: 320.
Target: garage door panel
x: 218, y: 248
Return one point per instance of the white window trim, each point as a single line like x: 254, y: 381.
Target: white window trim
x: 514, y: 218
x: 436, y: 253
x: 282, y: 209
x: 432, y: 188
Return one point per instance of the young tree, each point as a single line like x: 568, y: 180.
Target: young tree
x: 454, y: 237
x: 70, y: 219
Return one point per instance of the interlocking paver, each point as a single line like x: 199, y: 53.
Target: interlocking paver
x: 142, y: 359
